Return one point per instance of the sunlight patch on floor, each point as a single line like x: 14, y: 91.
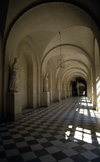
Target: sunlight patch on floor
x: 81, y: 134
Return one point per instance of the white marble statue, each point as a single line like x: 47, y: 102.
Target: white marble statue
x: 46, y: 83
x: 14, y: 76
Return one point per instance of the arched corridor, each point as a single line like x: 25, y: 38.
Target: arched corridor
x: 49, y: 80
x: 66, y: 131
x: 57, y: 45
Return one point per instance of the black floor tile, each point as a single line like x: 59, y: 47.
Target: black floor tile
x: 38, y: 136
x: 79, y: 149
x: 10, y: 146
x: 34, y: 160
x: 1, y: 142
x: 59, y: 155
x: 79, y: 158
x: 32, y: 142
x: 17, y: 158
x: 51, y: 138
x: 2, y: 154
x: 46, y: 144
x: 26, y: 134
x: 41, y: 152
x: 6, y: 137
x: 96, y: 151
x: 96, y: 160
x: 14, y: 132
x: 25, y: 149
x: 19, y: 140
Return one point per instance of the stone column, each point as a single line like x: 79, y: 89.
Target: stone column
x: 89, y: 89
x: 94, y: 91
x: 68, y: 93
x: 63, y: 94
x: 58, y: 96
x: 70, y: 90
x: 46, y: 99
x: 63, y: 91
x: 58, y: 93
x: 46, y: 94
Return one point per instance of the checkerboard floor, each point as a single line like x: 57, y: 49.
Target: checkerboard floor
x: 66, y: 131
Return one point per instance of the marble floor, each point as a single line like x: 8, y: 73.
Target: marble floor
x: 66, y: 131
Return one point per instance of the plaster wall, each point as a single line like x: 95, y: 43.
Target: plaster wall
x: 23, y: 81
x: 35, y: 85
x: 53, y: 86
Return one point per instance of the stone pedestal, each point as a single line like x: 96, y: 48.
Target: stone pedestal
x: 58, y: 96
x: 64, y: 95
x: 14, y: 110
x: 46, y: 99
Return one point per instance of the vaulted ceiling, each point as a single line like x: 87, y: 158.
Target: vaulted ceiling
x: 41, y: 25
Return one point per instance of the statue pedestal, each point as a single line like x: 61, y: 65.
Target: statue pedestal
x: 14, y: 111
x: 64, y: 95
x: 58, y: 96
x: 46, y: 99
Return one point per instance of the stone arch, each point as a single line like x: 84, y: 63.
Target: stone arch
x: 72, y: 69
x: 27, y: 74
x: 69, y: 91
x: 76, y: 74
x: 81, y: 66
x: 25, y: 49
x: 53, y: 52
x: 33, y: 5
